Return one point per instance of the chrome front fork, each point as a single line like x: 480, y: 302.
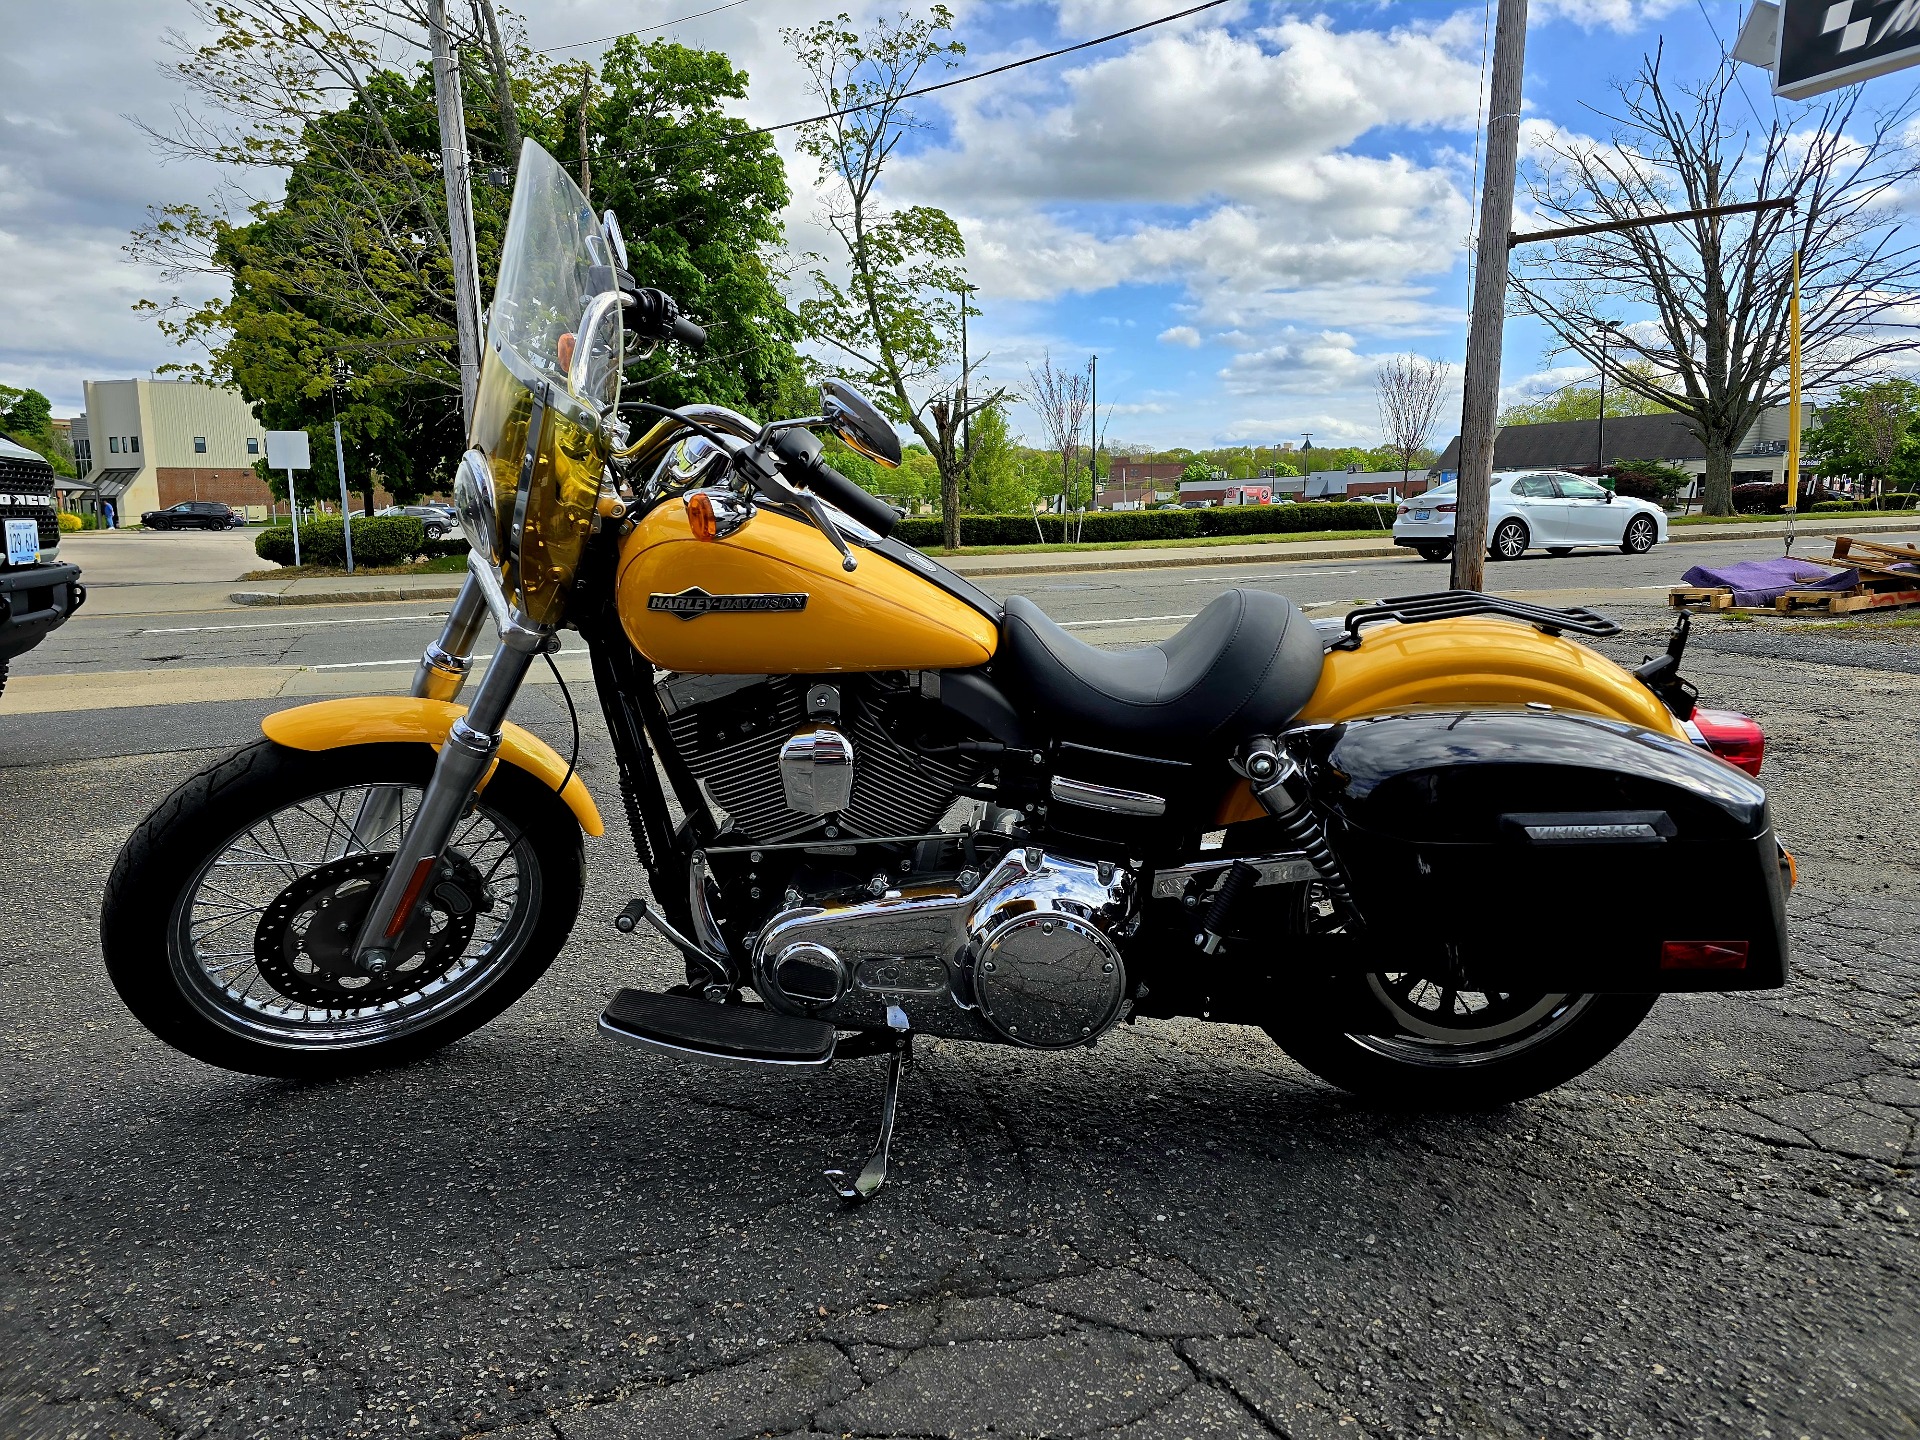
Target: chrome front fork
x: 464, y: 759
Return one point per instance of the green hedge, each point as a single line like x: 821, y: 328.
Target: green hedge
x: 377, y: 540
x: 1106, y: 527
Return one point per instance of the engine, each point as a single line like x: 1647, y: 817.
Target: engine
x: 1026, y: 954
x: 792, y: 757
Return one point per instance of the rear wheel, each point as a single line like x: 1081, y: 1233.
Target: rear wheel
x: 1434, y: 552
x: 228, y: 920
x: 1420, y: 1045
x: 1642, y: 535
x: 1509, y: 540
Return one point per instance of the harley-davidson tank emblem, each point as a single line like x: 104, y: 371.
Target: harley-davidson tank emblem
x: 694, y: 602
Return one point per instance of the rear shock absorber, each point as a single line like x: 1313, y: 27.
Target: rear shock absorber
x: 1280, y: 785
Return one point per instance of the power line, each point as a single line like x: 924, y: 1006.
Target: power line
x: 984, y: 74
x: 643, y: 30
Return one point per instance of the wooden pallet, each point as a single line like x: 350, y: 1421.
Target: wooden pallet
x: 1831, y: 602
x: 1713, y: 598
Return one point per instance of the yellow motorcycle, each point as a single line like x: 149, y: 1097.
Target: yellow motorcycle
x: 1445, y: 854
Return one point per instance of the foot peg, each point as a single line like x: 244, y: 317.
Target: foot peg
x: 874, y: 1173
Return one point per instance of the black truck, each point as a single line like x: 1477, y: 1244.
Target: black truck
x: 37, y: 591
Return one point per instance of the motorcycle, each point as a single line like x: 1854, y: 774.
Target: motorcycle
x: 1443, y: 853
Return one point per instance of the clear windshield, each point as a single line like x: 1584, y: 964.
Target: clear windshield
x: 546, y: 272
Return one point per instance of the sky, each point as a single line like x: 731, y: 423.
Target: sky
x: 1241, y: 214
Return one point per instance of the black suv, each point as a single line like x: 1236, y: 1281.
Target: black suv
x: 37, y: 592
x: 192, y: 515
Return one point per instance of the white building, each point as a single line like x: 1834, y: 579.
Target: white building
x: 154, y: 443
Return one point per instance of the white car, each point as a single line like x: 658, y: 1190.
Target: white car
x: 1534, y: 510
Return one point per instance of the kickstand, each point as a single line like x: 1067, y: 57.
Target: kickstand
x: 874, y: 1173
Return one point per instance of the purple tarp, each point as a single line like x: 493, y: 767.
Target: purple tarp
x: 1761, y: 582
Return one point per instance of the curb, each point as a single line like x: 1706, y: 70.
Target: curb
x: 1134, y: 560
x: 343, y: 597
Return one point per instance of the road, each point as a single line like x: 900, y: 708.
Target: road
x: 1175, y: 1234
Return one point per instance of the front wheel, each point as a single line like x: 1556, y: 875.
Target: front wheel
x: 1419, y: 1045
x: 1642, y: 535
x: 228, y: 921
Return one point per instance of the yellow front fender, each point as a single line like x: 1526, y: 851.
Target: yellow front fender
x: 390, y: 719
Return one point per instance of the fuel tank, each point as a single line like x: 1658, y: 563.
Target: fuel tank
x: 772, y: 599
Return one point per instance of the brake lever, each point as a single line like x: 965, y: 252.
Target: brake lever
x: 765, y: 475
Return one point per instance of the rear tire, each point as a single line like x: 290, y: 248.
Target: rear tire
x: 190, y: 966
x: 1510, y: 540
x: 1434, y: 553
x: 1529, y: 1044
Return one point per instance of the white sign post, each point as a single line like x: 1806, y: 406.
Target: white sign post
x: 287, y: 450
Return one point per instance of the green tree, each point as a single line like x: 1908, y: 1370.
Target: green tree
x: 1582, y: 402
x: 699, y: 198
x: 1869, y: 431
x: 990, y: 468
x: 1199, y: 471
x: 26, y: 418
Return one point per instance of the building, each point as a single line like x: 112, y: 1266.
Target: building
x: 1129, y: 478
x: 1668, y: 438
x: 154, y: 443
x: 82, y: 446
x: 1357, y: 484
x: 1226, y: 492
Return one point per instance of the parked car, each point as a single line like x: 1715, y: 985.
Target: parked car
x: 193, y: 515
x: 1534, y: 510
x: 439, y: 519
x: 37, y: 593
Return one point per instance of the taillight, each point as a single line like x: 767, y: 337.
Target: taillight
x: 1403, y: 510
x: 1733, y: 737
x: 1445, y: 509
x: 1703, y: 955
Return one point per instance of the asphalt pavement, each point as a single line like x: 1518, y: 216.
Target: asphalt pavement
x: 1178, y: 1233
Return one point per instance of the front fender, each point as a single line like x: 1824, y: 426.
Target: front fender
x: 388, y: 719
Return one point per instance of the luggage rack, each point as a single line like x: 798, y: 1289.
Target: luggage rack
x: 1454, y: 604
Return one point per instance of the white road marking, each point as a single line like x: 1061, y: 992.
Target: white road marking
x: 1126, y: 620
x: 1287, y: 574
x: 292, y: 624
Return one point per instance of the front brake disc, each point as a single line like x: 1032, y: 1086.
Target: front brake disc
x: 304, y: 942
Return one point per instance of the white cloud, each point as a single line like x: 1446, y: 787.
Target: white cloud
x: 1620, y: 16
x: 1180, y: 335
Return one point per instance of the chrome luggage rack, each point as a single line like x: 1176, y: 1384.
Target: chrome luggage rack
x: 1453, y: 604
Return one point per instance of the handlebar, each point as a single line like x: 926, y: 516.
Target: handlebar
x: 801, y: 452
x: 693, y: 336
x: 654, y: 315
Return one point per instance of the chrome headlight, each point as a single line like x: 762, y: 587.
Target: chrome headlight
x: 475, y: 503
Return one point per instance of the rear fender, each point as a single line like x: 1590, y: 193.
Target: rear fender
x: 1471, y: 663
x: 388, y: 719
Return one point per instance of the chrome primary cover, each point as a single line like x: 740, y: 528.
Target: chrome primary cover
x: 1027, y: 956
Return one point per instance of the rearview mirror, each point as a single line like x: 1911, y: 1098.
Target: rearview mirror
x: 859, y: 423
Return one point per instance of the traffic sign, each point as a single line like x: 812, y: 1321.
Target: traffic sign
x: 287, y: 450
x: 1813, y: 46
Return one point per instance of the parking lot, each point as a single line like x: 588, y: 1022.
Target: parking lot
x: 1178, y: 1233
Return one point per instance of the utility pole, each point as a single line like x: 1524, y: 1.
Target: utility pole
x: 966, y: 379
x: 586, y: 164
x: 1481, y: 401
x: 1600, y: 445
x: 453, y: 167
x: 1093, y: 432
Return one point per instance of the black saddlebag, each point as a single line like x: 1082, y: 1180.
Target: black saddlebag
x: 1524, y: 849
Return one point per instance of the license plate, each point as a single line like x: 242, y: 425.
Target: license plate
x: 1423, y: 514
x: 23, y: 542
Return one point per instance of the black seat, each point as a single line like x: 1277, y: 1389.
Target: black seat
x: 1243, y: 666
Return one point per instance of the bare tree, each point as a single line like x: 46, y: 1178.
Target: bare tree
x: 1715, y: 347
x: 1409, y: 390
x: 1060, y: 397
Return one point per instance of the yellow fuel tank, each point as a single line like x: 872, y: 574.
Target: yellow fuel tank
x: 771, y: 599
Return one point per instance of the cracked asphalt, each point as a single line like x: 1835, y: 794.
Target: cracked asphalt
x: 1178, y: 1234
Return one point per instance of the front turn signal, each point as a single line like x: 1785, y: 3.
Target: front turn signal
x: 701, y: 520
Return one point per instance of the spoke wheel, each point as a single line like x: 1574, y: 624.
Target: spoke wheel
x: 231, y: 919
x: 1510, y: 540
x: 1447, y: 1027
x: 1641, y: 536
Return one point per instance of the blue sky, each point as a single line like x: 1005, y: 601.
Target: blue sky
x: 1240, y: 213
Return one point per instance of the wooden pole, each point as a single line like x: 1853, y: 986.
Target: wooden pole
x: 1481, y: 403
x: 453, y: 165
x: 586, y: 163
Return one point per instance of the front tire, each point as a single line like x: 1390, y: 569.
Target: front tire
x: 1419, y: 1046
x: 1641, y: 536
x: 1510, y: 540
x: 218, y: 919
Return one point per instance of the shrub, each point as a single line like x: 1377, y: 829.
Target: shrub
x: 1758, y: 499
x: 377, y: 540
x: 70, y: 522
x: 1900, y: 500
x: 1831, y: 506
x: 1114, y: 526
